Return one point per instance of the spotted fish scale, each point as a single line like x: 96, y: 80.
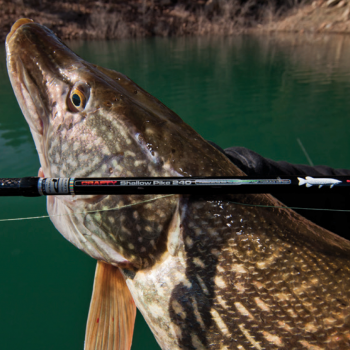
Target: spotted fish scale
x: 248, y: 282
x: 206, y: 272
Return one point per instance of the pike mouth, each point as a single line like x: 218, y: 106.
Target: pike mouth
x: 25, y: 87
x: 35, y: 57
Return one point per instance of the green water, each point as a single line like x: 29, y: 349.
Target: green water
x: 262, y: 93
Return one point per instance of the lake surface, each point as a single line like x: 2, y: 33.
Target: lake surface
x: 263, y: 93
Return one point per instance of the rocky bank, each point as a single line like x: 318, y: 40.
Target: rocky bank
x: 108, y: 19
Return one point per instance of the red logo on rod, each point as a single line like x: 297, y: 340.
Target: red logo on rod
x: 99, y: 182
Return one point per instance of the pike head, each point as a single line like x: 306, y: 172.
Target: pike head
x: 90, y: 121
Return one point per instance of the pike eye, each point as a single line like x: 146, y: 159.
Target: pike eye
x: 78, y: 97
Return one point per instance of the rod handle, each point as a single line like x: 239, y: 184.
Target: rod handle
x: 25, y: 186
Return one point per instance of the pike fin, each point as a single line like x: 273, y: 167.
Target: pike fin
x: 112, y: 313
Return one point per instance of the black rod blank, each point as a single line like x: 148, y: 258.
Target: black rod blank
x: 37, y: 186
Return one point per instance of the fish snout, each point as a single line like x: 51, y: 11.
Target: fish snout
x: 16, y: 25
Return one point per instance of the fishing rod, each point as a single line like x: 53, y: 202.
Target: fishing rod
x: 39, y: 186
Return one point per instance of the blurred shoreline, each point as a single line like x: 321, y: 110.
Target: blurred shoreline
x: 108, y: 19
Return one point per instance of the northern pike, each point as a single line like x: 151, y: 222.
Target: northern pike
x: 214, y: 272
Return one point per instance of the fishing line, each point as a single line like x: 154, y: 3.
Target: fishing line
x: 169, y: 195
x: 305, y: 153
x: 86, y: 212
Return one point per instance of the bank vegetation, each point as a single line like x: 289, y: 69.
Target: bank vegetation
x: 116, y: 19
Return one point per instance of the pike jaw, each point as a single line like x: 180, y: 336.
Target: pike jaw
x: 91, y: 121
